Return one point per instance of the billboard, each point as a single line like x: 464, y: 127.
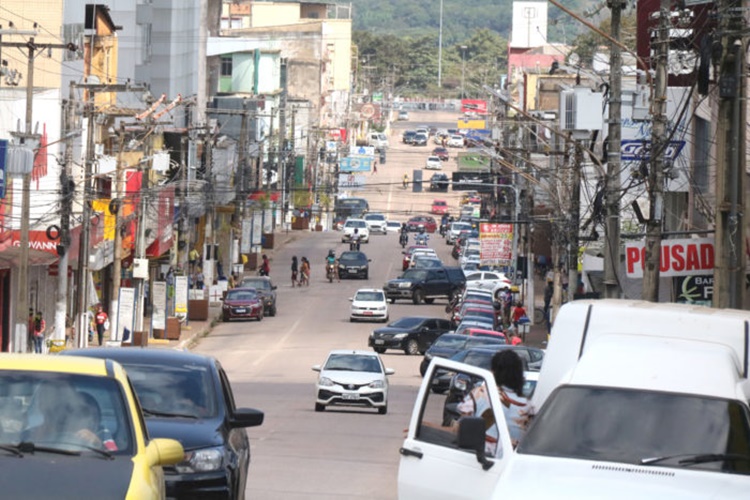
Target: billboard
x: 355, y: 163
x: 471, y: 124
x: 473, y: 181
x: 495, y: 243
x: 683, y: 257
x: 352, y: 182
x: 477, y: 106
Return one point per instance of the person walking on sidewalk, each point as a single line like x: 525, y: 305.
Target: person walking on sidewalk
x: 305, y: 270
x: 39, y: 327
x: 295, y: 269
x: 101, y: 319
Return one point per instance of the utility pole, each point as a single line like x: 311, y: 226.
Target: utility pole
x: 655, y: 178
x: 143, y: 205
x: 575, y: 219
x: 117, y: 251
x: 612, y: 185
x: 729, y: 271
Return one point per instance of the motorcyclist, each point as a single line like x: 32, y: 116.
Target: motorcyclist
x: 406, y: 180
x: 331, y: 263
x: 354, y: 241
x: 404, y: 238
x: 443, y: 224
x: 422, y: 236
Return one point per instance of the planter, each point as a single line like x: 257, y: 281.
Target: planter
x: 267, y: 241
x: 140, y: 339
x: 252, y: 262
x: 198, y: 310
x: 301, y: 223
x: 173, y: 329
x: 318, y: 227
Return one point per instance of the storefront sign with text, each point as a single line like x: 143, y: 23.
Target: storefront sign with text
x: 685, y: 257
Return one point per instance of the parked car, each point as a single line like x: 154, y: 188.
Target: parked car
x: 411, y: 334
x: 352, y: 378
x: 403, y: 115
x: 450, y: 343
x: 242, y: 303
x: 455, y: 141
x: 433, y: 163
x: 429, y: 223
x: 441, y: 153
x: 369, y: 304
x: 408, y: 136
x: 353, y: 264
x: 376, y: 223
x: 439, y: 207
x: 489, y: 280
x: 420, y: 139
x: 266, y: 290
x: 72, y: 428
x: 439, y: 182
x: 360, y: 225
x: 188, y: 397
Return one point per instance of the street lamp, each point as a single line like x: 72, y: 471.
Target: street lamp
x: 463, y: 69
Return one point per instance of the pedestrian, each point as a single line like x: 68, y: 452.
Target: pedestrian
x: 305, y: 270
x: 375, y: 167
x: 199, y: 279
x: 265, y: 266
x: 519, y: 312
x: 102, y: 324
x: 39, y: 327
x: 193, y: 257
x: 295, y: 269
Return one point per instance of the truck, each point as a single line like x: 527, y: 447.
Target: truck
x: 634, y: 400
x: 425, y: 285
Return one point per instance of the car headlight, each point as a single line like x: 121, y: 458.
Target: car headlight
x: 325, y: 382
x: 381, y: 308
x: 400, y: 335
x: 204, y: 460
x: 376, y: 384
x: 404, y: 285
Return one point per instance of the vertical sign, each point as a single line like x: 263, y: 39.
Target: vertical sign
x: 3, y: 163
x: 247, y: 226
x: 159, y: 302
x: 125, y: 315
x: 257, y: 228
x: 181, y: 295
x: 495, y: 243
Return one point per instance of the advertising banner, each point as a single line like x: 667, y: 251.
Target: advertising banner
x: 125, y: 315
x: 473, y: 181
x: 159, y: 302
x: 495, y: 243
x: 471, y: 124
x: 352, y: 181
x: 477, y: 106
x: 181, y: 294
x: 698, y: 290
x: 684, y: 257
x: 3, y: 163
x: 355, y: 163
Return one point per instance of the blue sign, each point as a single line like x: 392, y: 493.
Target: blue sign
x: 3, y: 163
x: 355, y: 164
x: 639, y: 150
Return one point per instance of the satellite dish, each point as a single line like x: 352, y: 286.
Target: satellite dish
x: 574, y: 59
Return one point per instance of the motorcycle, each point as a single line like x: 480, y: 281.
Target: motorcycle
x: 421, y: 239
x: 443, y: 229
x: 331, y: 272
x: 404, y: 240
x: 354, y: 245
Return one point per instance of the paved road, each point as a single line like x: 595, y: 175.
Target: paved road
x: 340, y: 453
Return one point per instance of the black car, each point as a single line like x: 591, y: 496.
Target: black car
x: 439, y: 183
x: 420, y: 140
x: 408, y: 136
x: 354, y: 265
x: 265, y: 288
x: 188, y: 397
x: 411, y: 334
x: 451, y: 343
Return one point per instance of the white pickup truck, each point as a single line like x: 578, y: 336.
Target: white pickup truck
x: 634, y: 400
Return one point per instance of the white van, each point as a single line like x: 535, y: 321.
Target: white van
x: 378, y: 140
x: 634, y: 400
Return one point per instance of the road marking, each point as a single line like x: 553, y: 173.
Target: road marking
x: 278, y: 345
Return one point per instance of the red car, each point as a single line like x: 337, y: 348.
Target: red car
x: 439, y: 207
x: 242, y: 303
x: 441, y: 153
x: 430, y: 226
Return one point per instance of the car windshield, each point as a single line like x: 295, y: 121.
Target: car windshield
x: 479, y: 358
x: 406, y: 322
x: 415, y: 274
x: 49, y: 409
x: 241, y: 295
x: 375, y: 217
x: 439, y: 203
x: 369, y: 296
x: 353, y: 362
x: 461, y: 226
x: 627, y: 426
x: 180, y: 390
x: 450, y: 342
x: 256, y: 283
x: 351, y: 257
x: 355, y: 223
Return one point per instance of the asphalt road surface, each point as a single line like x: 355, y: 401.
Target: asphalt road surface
x: 340, y: 453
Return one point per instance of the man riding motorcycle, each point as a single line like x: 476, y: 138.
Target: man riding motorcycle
x: 404, y: 237
x: 354, y: 240
x: 331, y: 270
x: 422, y: 237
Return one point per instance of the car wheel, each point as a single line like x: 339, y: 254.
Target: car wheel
x: 418, y: 296
x: 383, y: 410
x: 319, y: 407
x: 393, y: 301
x: 379, y: 350
x: 367, y: 275
x: 412, y: 347
x: 351, y: 320
x: 429, y: 300
x: 423, y: 367
x: 453, y: 295
x: 272, y: 312
x: 225, y: 318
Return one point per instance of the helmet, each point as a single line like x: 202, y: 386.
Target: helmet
x: 356, y: 230
x: 331, y: 253
x: 421, y: 228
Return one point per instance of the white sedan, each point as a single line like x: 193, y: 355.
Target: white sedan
x: 456, y: 141
x: 369, y: 304
x: 434, y: 163
x: 491, y: 281
x: 360, y: 225
x: 376, y: 223
x: 352, y: 378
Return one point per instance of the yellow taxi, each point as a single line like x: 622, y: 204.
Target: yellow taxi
x: 71, y: 427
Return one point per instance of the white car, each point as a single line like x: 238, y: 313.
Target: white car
x: 352, y: 378
x: 455, y: 230
x: 470, y: 255
x: 360, y: 225
x: 456, y: 141
x: 369, y: 304
x: 376, y: 223
x: 489, y: 280
x: 393, y: 226
x: 433, y: 163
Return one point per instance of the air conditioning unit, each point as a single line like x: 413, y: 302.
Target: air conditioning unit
x: 581, y: 111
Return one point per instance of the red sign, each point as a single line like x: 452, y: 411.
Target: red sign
x: 477, y: 106
x: 678, y: 258
x: 495, y: 242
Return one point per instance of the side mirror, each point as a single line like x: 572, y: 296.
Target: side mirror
x: 161, y: 451
x: 274, y: 287
x: 316, y: 368
x: 351, y: 299
x: 246, y: 417
x: 369, y: 260
x: 471, y: 437
x: 390, y: 371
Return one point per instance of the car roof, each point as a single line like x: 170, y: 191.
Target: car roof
x: 154, y: 357
x: 361, y: 352
x: 57, y: 364
x: 370, y: 290
x: 255, y: 278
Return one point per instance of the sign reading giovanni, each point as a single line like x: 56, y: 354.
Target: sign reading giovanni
x: 678, y: 257
x: 495, y: 243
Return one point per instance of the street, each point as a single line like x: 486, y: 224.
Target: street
x: 340, y: 453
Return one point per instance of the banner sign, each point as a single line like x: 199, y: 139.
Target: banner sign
x: 355, y: 163
x: 3, y: 163
x: 125, y: 315
x: 246, y: 240
x: 697, y: 290
x: 685, y: 257
x: 181, y: 294
x: 473, y: 181
x: 495, y: 243
x: 159, y: 302
x: 351, y: 181
x: 477, y: 106
x: 640, y: 150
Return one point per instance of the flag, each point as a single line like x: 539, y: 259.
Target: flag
x: 40, y: 159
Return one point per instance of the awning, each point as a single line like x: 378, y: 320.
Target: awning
x: 10, y: 257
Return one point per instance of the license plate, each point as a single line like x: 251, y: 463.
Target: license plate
x: 379, y: 341
x: 350, y: 397
x: 352, y: 270
x: 367, y: 313
x: 240, y: 310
